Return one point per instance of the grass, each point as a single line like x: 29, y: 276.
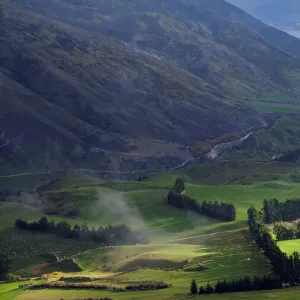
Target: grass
x: 283, y: 294
x: 26, y: 182
x: 225, y: 255
x: 289, y: 246
x: 193, y: 246
x: 223, y: 173
x: 271, y: 107
x: 9, y: 212
x: 11, y: 290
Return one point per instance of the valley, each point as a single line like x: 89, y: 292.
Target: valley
x: 148, y: 150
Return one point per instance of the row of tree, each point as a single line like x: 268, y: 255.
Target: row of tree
x: 110, y: 235
x: 287, y: 268
x: 275, y: 211
x: 282, y: 232
x: 223, y: 211
x: 178, y: 198
x: 241, y: 285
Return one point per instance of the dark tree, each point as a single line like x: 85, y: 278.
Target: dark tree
x: 201, y: 290
x: 179, y: 185
x: 194, y: 288
x: 43, y: 222
x: 21, y: 224
x: 284, y: 233
x: 64, y: 229
x: 76, y: 231
x: 209, y: 289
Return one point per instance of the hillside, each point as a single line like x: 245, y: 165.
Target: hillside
x: 125, y: 87
x: 214, y: 40
x: 70, y: 93
x: 273, y: 141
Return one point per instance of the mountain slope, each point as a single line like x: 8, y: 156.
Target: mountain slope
x: 66, y: 92
x: 275, y: 140
x: 83, y: 80
x: 210, y: 38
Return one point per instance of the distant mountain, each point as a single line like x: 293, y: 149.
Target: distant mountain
x: 249, y: 5
x: 82, y: 79
x: 284, y: 14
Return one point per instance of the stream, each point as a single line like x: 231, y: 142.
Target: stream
x: 218, y: 149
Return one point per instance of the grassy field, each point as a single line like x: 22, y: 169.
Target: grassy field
x: 224, y: 173
x: 26, y: 181
x: 284, y: 294
x: 276, y: 107
x: 275, y: 103
x: 289, y: 246
x: 183, y: 246
x: 11, y: 290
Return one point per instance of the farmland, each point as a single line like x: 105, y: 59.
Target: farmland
x: 286, y: 294
x: 183, y: 246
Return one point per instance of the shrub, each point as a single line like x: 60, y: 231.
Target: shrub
x: 147, y: 286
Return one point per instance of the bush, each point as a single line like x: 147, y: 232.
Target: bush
x: 63, y: 285
x: 147, y: 286
x: 10, y: 277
